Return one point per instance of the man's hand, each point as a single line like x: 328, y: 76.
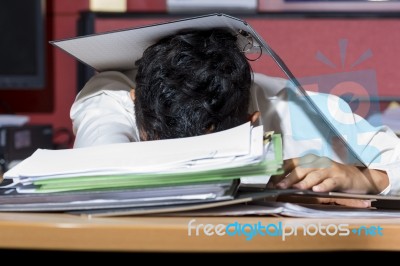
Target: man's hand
x: 322, y: 175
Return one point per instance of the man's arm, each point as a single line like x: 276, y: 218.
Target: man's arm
x: 103, y: 112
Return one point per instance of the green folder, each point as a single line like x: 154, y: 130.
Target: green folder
x: 265, y: 167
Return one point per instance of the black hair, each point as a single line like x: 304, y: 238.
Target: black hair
x: 192, y: 83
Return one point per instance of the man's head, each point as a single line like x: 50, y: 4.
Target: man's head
x: 192, y: 83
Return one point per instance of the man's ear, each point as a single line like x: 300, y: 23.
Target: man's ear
x: 132, y: 93
x: 254, y: 117
x: 210, y: 129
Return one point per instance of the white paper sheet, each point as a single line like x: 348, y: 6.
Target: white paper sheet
x: 328, y: 211
x: 138, y: 157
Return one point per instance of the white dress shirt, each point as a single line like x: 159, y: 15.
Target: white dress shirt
x: 103, y: 113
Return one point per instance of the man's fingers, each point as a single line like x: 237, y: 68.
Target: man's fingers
x: 346, y: 202
x: 329, y: 184
x: 312, y: 178
x: 294, y: 177
x: 297, y: 169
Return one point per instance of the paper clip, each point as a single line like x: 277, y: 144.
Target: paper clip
x: 249, y: 47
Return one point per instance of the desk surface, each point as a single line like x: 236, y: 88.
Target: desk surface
x: 48, y: 231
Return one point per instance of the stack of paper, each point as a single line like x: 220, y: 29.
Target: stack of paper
x: 194, y: 168
x: 319, y: 211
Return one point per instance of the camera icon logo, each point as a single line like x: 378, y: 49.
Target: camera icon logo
x: 347, y: 98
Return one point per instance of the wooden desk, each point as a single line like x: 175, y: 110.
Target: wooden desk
x: 67, y: 232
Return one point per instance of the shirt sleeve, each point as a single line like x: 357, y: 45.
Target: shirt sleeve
x: 103, y: 112
x: 388, y: 144
x: 377, y: 146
